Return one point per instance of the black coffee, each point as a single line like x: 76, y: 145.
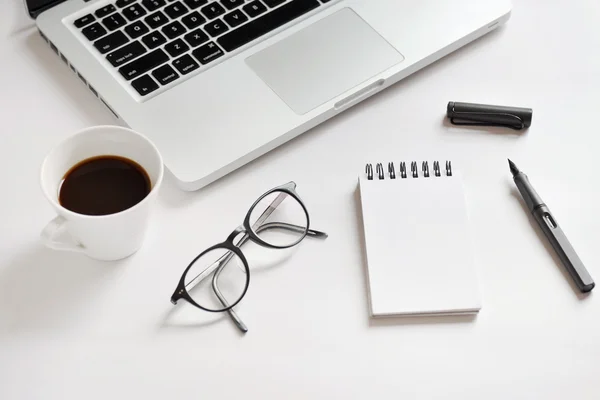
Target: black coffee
x: 104, y: 185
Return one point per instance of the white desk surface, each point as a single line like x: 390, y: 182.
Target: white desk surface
x: 71, y: 327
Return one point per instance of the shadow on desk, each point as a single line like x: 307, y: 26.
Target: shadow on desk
x: 42, y: 289
x: 185, y: 317
x: 64, y: 82
x: 181, y: 317
x: 422, y: 320
x: 479, y: 129
x: 20, y: 21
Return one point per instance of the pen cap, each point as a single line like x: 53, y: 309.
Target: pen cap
x: 489, y: 115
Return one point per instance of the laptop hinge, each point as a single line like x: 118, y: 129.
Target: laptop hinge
x: 34, y: 12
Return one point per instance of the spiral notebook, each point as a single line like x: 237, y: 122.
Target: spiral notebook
x: 417, y: 239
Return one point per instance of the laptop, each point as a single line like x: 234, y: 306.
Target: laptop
x: 217, y: 83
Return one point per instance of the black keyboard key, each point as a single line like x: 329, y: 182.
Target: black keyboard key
x: 207, y: 53
x: 260, y: 26
x: 174, y: 29
x: 93, y: 31
x: 124, y: 3
x: 185, y: 64
x: 154, y: 39
x: 176, y: 48
x: 165, y: 74
x: 255, y: 8
x: 134, y: 12
x: 144, y: 85
x: 213, y: 10
x: 216, y: 27
x: 175, y: 10
x: 104, y: 11
x: 231, y: 4
x: 274, y: 3
x: 83, y: 21
x: 152, y: 5
x: 136, y: 29
x: 235, y: 18
x: 111, y: 42
x: 143, y: 64
x: 195, y: 3
x: 114, y: 21
x: 157, y: 19
x: 126, y: 54
x: 196, y: 38
x: 193, y: 20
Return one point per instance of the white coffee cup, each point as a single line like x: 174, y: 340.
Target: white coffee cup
x: 103, y: 237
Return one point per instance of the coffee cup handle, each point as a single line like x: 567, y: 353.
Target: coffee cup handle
x: 51, y: 233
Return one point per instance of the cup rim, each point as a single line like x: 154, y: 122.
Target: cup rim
x: 83, y: 132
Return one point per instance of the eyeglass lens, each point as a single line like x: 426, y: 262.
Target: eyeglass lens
x: 217, y: 280
x: 279, y: 220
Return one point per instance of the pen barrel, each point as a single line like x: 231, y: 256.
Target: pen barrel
x: 563, y: 249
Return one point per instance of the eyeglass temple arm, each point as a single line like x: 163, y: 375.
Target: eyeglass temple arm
x: 236, y: 319
x: 269, y: 210
x: 227, y: 257
x: 224, y: 259
x: 257, y: 227
x: 220, y: 264
x: 290, y: 227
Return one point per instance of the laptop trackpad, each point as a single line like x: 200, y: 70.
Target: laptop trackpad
x: 324, y: 60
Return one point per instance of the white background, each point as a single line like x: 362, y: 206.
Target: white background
x: 71, y: 327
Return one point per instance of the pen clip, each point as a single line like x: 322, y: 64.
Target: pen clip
x: 519, y: 124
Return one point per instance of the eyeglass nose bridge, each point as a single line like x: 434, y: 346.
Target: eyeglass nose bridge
x: 235, y: 233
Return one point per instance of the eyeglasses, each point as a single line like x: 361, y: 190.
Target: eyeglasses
x: 218, y: 278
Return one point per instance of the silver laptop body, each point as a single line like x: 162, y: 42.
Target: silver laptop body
x: 217, y: 83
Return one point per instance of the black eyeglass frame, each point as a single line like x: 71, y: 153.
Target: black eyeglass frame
x: 250, y: 233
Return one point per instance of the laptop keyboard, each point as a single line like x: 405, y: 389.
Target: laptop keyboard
x: 155, y: 42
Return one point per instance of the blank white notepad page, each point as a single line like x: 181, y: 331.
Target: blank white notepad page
x: 418, y: 246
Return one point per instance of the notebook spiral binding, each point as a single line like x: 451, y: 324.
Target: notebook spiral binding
x: 414, y: 170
